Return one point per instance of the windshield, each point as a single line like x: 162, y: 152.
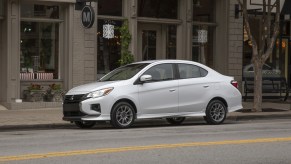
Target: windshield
x: 124, y: 73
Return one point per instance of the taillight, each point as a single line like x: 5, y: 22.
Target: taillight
x: 234, y: 83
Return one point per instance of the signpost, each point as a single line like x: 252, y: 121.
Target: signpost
x: 87, y: 16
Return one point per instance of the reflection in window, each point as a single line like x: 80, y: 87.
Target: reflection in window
x: 1, y: 8
x: 191, y: 71
x: 161, y: 72
x: 39, y: 48
x: 110, y: 7
x: 158, y: 9
x: 109, y: 49
x: 39, y: 11
x: 171, y: 42
x: 149, y: 44
x: 203, y: 10
x: 202, y: 52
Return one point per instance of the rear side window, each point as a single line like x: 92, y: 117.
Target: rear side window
x: 187, y: 71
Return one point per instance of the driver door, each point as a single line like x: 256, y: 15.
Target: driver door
x: 160, y: 95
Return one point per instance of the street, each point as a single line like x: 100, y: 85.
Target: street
x: 260, y: 141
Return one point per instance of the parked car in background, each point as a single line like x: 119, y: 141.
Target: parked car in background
x: 170, y: 89
x: 267, y: 71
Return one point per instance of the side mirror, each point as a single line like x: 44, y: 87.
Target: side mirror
x: 145, y: 78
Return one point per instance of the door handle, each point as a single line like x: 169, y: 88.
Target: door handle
x: 205, y: 86
x: 172, y: 90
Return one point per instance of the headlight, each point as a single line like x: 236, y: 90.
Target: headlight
x: 99, y: 93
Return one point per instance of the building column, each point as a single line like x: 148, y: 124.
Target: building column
x: 130, y: 12
x: 184, y: 30
x: 11, y: 52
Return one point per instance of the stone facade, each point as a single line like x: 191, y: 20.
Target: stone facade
x: 84, y: 68
x: 235, y: 43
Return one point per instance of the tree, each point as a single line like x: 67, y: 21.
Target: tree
x: 261, y: 52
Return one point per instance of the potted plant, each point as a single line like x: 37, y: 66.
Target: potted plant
x: 34, y: 93
x: 54, y: 93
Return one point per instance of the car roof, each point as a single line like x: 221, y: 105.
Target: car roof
x: 166, y: 61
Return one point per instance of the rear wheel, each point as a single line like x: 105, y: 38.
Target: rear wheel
x: 215, y: 112
x: 85, y: 124
x: 175, y: 120
x: 122, y: 115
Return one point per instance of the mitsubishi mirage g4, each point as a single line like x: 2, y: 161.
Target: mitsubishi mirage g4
x: 170, y: 89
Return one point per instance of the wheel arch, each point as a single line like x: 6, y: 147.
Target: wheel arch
x: 222, y: 100
x: 128, y: 101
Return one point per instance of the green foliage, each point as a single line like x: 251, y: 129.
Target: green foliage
x: 125, y: 37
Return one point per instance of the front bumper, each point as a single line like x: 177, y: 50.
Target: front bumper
x: 76, y: 108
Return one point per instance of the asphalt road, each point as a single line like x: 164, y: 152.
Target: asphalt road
x: 259, y: 141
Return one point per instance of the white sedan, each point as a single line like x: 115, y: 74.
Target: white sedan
x: 170, y: 89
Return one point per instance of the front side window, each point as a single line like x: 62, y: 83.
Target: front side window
x: 161, y: 72
x: 187, y: 71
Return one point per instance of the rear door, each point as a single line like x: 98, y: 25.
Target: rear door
x: 194, y: 88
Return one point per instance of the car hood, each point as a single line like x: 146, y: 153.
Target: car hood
x: 90, y: 87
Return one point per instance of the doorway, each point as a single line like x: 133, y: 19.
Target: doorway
x: 150, y: 42
x: 157, y: 41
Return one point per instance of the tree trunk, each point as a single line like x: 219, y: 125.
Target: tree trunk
x: 257, y: 107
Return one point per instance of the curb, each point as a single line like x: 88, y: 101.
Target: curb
x: 231, y: 117
x: 259, y: 116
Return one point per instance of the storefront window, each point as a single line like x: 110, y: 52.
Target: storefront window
x: 203, y: 10
x: 171, y: 42
x: 110, y: 7
x: 39, y: 11
x: 39, y: 49
x: 202, y: 44
x: 1, y: 8
x: 158, y: 9
x: 109, y: 49
x: 278, y: 64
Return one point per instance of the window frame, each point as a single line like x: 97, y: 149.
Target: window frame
x: 60, y: 21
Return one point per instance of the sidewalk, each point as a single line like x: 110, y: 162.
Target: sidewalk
x: 52, y: 117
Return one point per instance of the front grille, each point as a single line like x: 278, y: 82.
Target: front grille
x: 71, y: 106
x: 73, y: 114
x: 69, y: 99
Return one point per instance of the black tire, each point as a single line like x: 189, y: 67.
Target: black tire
x: 215, y: 112
x: 85, y: 124
x: 175, y: 120
x: 122, y: 115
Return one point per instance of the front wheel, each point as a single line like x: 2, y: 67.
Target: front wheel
x: 215, y: 112
x: 175, y: 120
x: 122, y: 115
x: 85, y: 124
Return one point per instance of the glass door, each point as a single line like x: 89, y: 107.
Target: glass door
x: 150, y: 43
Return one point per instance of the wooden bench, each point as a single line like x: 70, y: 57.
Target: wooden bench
x: 270, y: 85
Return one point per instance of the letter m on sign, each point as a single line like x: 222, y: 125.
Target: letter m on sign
x: 86, y: 17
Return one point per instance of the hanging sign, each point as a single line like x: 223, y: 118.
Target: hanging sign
x: 202, y: 36
x: 88, y: 16
x: 108, y: 31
